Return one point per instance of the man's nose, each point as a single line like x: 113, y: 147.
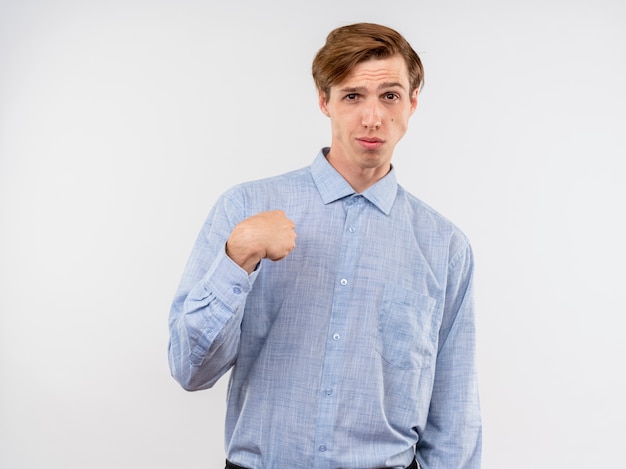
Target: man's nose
x: 372, y: 115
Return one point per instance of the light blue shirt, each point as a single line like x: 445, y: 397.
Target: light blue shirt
x: 356, y: 350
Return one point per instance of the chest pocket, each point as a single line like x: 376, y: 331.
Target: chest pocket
x: 406, y: 337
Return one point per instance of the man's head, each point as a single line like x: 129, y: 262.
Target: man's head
x: 349, y: 45
x: 368, y: 77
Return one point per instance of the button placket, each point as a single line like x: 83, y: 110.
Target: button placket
x: 338, y: 336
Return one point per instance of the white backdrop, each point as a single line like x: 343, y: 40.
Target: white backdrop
x: 122, y: 121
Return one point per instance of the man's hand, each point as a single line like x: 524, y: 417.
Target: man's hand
x: 266, y: 235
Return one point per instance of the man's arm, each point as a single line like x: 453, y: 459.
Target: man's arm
x: 452, y: 437
x: 207, y: 310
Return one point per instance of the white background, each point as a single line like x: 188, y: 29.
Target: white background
x: 122, y: 121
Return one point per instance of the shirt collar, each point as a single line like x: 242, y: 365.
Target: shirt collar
x: 332, y: 186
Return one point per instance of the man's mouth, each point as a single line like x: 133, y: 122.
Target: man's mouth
x: 370, y: 143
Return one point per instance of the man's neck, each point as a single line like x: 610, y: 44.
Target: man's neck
x: 359, y: 178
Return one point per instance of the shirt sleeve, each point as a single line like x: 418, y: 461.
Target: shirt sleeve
x: 207, y: 310
x: 452, y: 437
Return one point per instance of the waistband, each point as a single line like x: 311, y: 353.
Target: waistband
x: 230, y: 465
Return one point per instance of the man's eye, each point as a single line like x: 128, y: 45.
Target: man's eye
x: 351, y: 96
x: 391, y: 96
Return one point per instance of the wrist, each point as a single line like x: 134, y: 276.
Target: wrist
x: 247, y: 259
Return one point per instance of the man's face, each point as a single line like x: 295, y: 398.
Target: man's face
x: 369, y: 113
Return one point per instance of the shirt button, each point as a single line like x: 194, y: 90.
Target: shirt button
x: 352, y: 229
x: 336, y: 336
x: 329, y: 392
x: 322, y: 448
x: 236, y: 290
x: 344, y: 282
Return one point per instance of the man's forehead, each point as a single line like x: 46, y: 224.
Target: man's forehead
x: 386, y: 72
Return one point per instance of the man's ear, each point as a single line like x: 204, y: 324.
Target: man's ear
x: 321, y: 95
x: 414, y: 100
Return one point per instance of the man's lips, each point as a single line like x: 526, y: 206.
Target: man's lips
x: 370, y: 143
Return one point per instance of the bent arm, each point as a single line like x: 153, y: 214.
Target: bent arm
x: 452, y: 437
x: 205, y: 325
x: 206, y: 313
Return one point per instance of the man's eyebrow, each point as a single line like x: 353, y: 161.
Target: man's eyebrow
x: 391, y: 84
x: 353, y: 89
x: 360, y: 89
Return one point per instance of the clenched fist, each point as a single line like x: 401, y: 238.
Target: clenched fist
x: 266, y: 235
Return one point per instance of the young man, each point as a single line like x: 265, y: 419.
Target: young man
x: 353, y: 348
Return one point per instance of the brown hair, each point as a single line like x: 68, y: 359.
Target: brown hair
x: 349, y: 45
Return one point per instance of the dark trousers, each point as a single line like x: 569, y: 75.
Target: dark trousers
x: 230, y: 465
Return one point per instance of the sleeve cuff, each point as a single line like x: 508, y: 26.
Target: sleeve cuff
x: 229, y: 282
